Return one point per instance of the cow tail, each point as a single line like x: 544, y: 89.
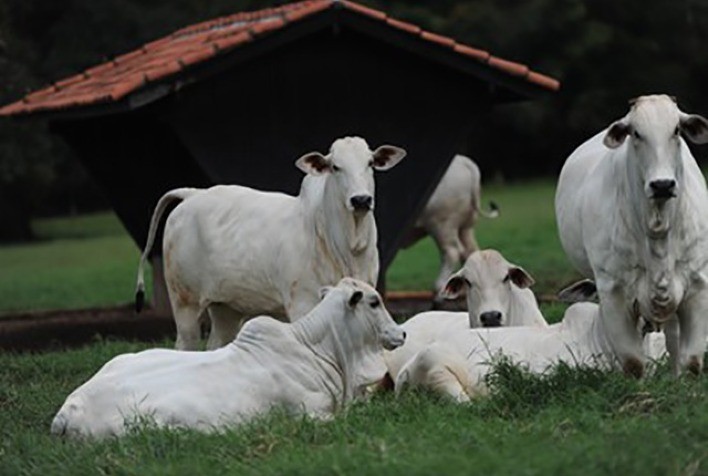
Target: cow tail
x: 162, y: 204
x: 493, y: 211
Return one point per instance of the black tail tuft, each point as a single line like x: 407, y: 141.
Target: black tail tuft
x: 493, y: 206
x: 139, y: 300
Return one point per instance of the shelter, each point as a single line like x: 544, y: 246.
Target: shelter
x: 238, y: 99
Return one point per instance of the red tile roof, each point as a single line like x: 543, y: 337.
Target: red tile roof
x: 125, y: 74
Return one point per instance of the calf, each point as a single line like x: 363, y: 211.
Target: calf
x: 314, y: 366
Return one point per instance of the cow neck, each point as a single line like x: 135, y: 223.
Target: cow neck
x: 345, y: 358
x: 657, y: 229
x: 345, y: 235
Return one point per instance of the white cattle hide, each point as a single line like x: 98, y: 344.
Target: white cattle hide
x: 314, y: 366
x: 632, y: 211
x: 458, y: 364
x: 239, y: 252
x: 451, y: 214
x: 498, y: 294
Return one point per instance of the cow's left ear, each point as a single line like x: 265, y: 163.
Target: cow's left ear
x: 387, y: 156
x: 694, y: 127
x: 616, y: 134
x: 314, y: 163
x: 520, y: 277
x: 355, y: 298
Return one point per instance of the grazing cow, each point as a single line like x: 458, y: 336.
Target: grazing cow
x: 239, y: 252
x: 498, y: 294
x: 450, y: 216
x: 457, y: 365
x: 632, y: 206
x: 313, y: 366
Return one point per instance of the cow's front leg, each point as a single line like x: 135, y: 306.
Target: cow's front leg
x: 671, y: 332
x: 693, y: 325
x: 621, y: 332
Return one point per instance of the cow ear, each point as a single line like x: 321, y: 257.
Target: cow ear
x: 387, y: 156
x: 355, y: 298
x: 616, y: 134
x: 456, y: 285
x: 314, y: 163
x: 324, y: 290
x: 694, y: 127
x: 520, y: 277
x: 583, y: 290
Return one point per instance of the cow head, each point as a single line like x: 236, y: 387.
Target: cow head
x: 489, y: 279
x: 652, y: 130
x: 350, y: 168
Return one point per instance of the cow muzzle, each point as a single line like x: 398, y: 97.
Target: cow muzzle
x: 362, y: 203
x: 393, y: 337
x: 491, y: 319
x: 662, y: 189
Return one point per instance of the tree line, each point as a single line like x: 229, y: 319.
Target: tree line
x: 603, y: 51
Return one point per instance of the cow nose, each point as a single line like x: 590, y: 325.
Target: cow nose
x: 361, y: 202
x: 491, y: 318
x: 663, y: 188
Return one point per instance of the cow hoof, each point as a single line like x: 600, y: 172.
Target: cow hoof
x: 633, y: 367
x: 694, y: 366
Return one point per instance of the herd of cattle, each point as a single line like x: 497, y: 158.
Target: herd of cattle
x: 631, y: 211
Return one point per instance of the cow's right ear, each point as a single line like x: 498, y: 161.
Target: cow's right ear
x: 456, y: 285
x: 616, y: 134
x: 314, y: 163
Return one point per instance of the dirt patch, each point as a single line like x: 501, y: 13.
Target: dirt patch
x: 47, y: 330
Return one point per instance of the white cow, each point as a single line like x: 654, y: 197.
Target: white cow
x: 632, y: 211
x: 498, y: 294
x: 239, y: 252
x: 450, y: 216
x: 457, y: 365
x: 313, y: 366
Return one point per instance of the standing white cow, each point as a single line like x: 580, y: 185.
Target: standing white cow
x: 239, y: 252
x: 632, y: 211
x: 457, y: 365
x: 313, y: 366
x: 498, y: 294
x: 450, y: 216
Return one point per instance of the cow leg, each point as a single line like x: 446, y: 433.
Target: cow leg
x: 450, y: 254
x: 693, y: 325
x: 225, y: 324
x: 188, y: 328
x: 469, y: 242
x: 671, y: 332
x: 621, y: 332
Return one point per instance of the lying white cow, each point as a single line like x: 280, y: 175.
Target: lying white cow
x: 498, y: 294
x: 632, y: 211
x: 313, y: 366
x: 450, y: 216
x: 239, y: 252
x: 457, y: 365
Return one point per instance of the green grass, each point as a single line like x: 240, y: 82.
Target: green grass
x: 566, y: 422
x: 90, y: 260
x: 79, y: 262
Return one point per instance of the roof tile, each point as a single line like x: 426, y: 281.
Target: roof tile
x: 164, y: 57
x: 379, y: 15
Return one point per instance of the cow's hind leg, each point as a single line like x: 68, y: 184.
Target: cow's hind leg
x: 450, y: 253
x: 469, y: 242
x: 225, y: 324
x: 188, y: 328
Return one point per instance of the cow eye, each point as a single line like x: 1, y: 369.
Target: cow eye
x: 371, y: 163
x: 637, y: 135
x: 335, y: 168
x: 677, y: 131
x: 375, y: 303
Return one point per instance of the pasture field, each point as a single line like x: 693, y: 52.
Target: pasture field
x: 90, y: 260
x: 565, y: 422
